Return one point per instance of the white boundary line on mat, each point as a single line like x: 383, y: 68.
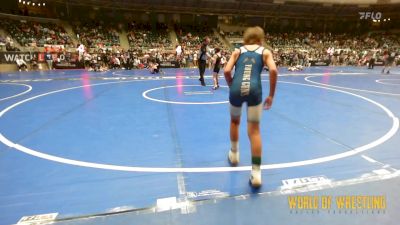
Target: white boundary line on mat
x: 347, y: 88
x: 384, y: 138
x: 379, y: 81
x: 19, y: 94
x: 145, y: 95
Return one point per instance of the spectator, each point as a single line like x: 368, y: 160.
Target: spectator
x: 49, y: 60
x: 21, y: 64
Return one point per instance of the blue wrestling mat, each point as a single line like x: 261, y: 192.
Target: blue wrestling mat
x: 123, y: 147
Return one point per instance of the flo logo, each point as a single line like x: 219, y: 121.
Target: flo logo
x: 370, y: 15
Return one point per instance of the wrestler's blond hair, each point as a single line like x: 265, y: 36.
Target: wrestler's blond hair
x: 253, y: 35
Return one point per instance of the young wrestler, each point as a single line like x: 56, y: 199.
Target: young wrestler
x: 245, y: 86
x: 217, y: 66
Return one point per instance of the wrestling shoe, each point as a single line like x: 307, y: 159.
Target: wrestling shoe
x: 255, y: 178
x: 233, y: 158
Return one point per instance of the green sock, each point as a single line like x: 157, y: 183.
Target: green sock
x: 256, y: 160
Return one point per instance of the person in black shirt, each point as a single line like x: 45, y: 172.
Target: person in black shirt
x: 203, y: 55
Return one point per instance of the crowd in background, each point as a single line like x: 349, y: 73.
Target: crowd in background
x: 151, y: 44
x: 299, y: 48
x: 29, y: 33
x: 145, y: 36
x: 191, y: 36
x: 120, y: 59
x: 97, y: 34
x: 7, y: 44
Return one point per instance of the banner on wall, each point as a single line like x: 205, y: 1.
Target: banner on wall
x: 319, y: 62
x: 11, y: 57
x: 169, y: 64
x: 67, y: 60
x: 60, y: 60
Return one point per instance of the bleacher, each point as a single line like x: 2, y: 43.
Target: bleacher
x: 97, y: 34
x: 142, y: 35
x: 33, y: 33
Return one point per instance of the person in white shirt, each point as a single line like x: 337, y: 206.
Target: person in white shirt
x: 117, y: 63
x: 136, y: 62
x: 81, y: 50
x: 223, y: 59
x: 195, y: 59
x: 178, y: 52
x: 21, y: 64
